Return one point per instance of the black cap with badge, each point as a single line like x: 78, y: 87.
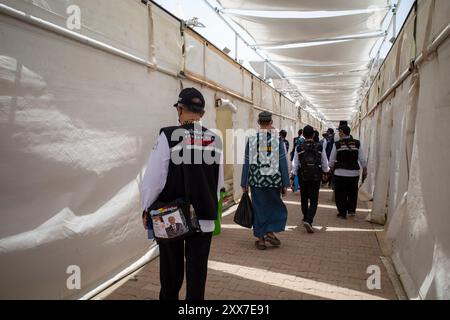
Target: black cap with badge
x: 342, y: 123
x: 265, y: 116
x: 192, y: 98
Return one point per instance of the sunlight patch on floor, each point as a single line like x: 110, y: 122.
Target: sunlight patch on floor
x: 317, y: 228
x: 292, y: 283
x: 325, y: 206
x: 236, y: 226
x: 339, y: 229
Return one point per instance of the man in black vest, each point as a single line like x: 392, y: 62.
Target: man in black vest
x: 328, y: 147
x: 296, y: 142
x: 310, y: 163
x: 194, y: 153
x: 346, y: 159
x: 330, y: 142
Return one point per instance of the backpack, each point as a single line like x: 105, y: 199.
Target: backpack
x: 310, y: 161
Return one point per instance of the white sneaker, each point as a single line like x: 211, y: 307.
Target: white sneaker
x: 351, y: 214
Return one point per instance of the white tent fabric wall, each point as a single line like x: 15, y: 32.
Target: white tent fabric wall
x: 428, y: 247
x: 74, y: 145
x: 383, y: 163
x: 77, y: 126
x: 416, y: 185
x: 398, y: 181
x: 96, y: 18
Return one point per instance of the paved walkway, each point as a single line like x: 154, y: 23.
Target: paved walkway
x: 330, y: 264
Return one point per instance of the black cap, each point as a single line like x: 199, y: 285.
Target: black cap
x: 265, y: 116
x: 308, y: 131
x: 191, y: 97
x: 345, y: 129
x: 342, y: 124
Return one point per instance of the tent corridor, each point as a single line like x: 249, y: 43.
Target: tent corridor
x: 85, y: 90
x: 329, y: 264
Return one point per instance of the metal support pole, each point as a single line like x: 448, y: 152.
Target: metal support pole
x: 379, y: 34
x: 394, y: 23
x: 265, y: 70
x: 236, y: 46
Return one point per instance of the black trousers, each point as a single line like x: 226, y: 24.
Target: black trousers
x: 171, y: 274
x: 309, y: 194
x: 346, y: 191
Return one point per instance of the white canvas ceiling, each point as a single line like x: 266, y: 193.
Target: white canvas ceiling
x: 344, y: 51
x: 329, y: 74
x: 302, y: 5
x: 295, y: 30
x: 305, y: 69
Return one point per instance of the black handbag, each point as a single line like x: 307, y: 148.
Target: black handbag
x: 173, y: 220
x: 244, y: 212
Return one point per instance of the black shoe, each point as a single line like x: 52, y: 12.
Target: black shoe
x: 260, y: 245
x: 341, y: 216
x: 308, y: 227
x: 273, y: 240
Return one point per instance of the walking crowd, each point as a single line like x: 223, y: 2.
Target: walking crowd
x: 180, y: 199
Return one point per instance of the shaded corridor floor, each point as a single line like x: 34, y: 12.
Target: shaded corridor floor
x: 329, y: 264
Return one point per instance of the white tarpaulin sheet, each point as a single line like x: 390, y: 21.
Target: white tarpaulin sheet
x: 405, y: 139
x: 302, y: 5
x: 344, y: 51
x: 288, y: 32
x: 270, y: 30
x: 292, y: 69
x: 341, y: 52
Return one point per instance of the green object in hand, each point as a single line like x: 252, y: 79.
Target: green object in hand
x: 218, y: 221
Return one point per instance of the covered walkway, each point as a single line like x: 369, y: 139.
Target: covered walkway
x: 330, y: 264
x: 85, y: 90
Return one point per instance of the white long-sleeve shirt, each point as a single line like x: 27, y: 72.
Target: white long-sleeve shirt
x: 296, y: 163
x: 155, y: 178
x: 344, y: 172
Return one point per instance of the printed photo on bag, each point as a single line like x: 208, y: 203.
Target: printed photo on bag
x: 159, y: 228
x: 168, y: 223
x: 174, y: 224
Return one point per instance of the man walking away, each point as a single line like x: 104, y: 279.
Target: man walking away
x: 283, y: 135
x: 324, y: 140
x: 164, y: 182
x: 316, y: 136
x: 330, y: 142
x: 310, y: 163
x: 297, y: 142
x: 266, y: 172
x: 328, y: 147
x: 346, y: 159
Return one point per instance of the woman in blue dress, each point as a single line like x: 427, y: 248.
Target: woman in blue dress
x: 265, y: 172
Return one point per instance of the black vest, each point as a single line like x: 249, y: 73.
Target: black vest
x: 347, y: 151
x: 329, y: 147
x: 196, y: 144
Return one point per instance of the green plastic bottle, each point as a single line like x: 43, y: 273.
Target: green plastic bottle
x: 218, y: 221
